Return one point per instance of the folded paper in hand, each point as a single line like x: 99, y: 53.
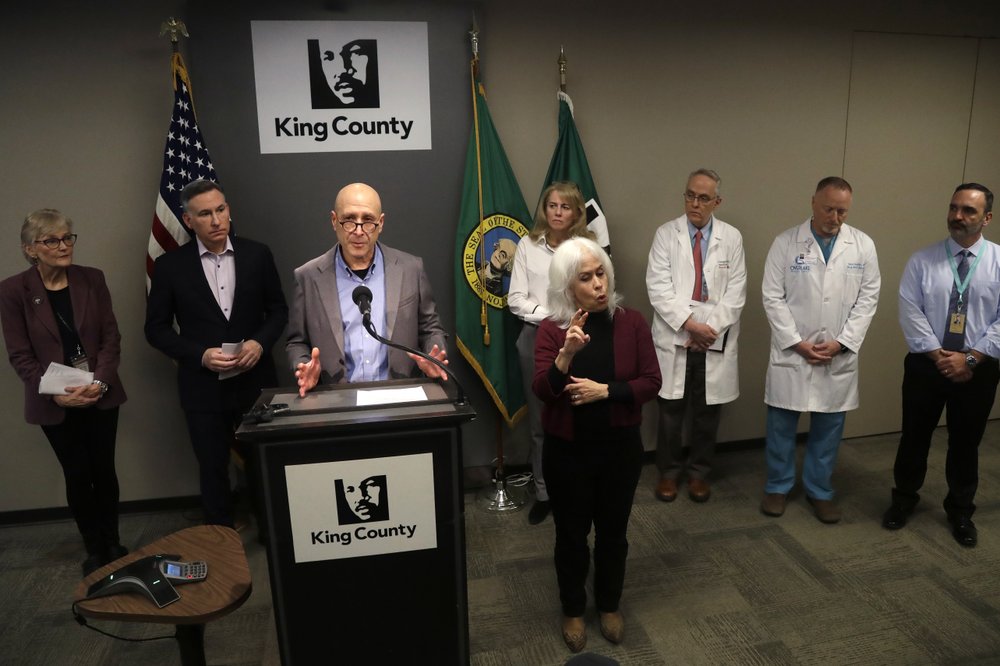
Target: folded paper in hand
x: 58, y: 376
x: 231, y: 349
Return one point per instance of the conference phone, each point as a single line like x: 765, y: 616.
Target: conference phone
x: 153, y: 576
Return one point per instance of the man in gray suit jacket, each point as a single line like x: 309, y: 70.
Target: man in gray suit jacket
x: 326, y: 340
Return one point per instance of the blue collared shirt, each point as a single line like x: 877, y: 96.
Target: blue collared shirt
x: 367, y: 359
x: 925, y: 292
x: 706, y: 233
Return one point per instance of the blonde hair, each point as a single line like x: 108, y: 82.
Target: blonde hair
x: 42, y: 221
x: 570, y: 193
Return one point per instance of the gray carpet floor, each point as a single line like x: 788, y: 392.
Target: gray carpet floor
x: 713, y: 583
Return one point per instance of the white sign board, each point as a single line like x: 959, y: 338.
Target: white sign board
x: 356, y: 508
x: 334, y: 86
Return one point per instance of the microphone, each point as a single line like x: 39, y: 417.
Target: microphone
x: 362, y: 297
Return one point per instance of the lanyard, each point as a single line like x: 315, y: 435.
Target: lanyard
x: 962, y: 285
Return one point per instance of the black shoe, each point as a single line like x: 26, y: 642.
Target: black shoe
x: 116, y: 551
x: 92, y: 564
x: 895, y: 517
x: 539, y: 511
x: 964, y: 531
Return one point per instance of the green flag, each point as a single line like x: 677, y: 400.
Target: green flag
x: 569, y: 162
x: 491, y: 222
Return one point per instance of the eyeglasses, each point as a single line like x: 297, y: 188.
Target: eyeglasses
x: 700, y: 198
x: 367, y: 226
x: 53, y: 243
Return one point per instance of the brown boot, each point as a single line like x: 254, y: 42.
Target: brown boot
x: 826, y: 510
x: 574, y: 633
x: 773, y: 504
x: 613, y: 626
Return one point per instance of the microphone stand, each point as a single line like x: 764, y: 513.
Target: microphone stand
x: 366, y: 321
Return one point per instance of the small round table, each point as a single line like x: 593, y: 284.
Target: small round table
x: 224, y: 590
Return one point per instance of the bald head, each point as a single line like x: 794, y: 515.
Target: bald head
x: 358, y: 193
x: 357, y: 220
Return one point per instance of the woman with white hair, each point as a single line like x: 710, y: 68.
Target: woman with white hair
x: 595, y: 366
x: 561, y: 214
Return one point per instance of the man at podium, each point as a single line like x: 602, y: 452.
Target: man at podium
x: 326, y: 339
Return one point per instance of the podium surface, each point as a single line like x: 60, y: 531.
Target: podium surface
x: 362, y: 490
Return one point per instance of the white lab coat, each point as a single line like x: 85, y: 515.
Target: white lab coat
x: 805, y: 298
x: 670, y: 283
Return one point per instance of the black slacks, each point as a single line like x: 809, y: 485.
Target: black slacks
x: 212, y: 436
x: 84, y: 443
x: 592, y: 483
x: 967, y: 407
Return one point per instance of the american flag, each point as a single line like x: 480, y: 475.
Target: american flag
x: 185, y: 158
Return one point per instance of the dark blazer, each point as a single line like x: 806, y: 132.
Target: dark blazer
x: 180, y: 291
x: 32, y: 336
x: 637, y: 374
x: 411, y: 315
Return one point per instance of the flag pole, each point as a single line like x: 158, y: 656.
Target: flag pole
x: 562, y: 69
x: 495, y: 499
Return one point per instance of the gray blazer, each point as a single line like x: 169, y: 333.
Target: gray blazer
x: 315, y: 321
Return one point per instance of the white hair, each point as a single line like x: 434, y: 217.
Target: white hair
x: 563, y: 271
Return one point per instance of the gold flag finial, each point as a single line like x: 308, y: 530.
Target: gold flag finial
x: 173, y: 27
x: 562, y: 69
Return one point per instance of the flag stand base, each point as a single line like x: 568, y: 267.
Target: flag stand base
x: 500, y: 499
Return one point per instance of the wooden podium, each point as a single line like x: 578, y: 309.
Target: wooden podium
x: 362, y: 493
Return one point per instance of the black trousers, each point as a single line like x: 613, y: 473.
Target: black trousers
x: 967, y: 406
x: 212, y: 436
x: 84, y: 443
x: 592, y: 483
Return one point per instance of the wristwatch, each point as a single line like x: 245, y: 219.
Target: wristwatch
x: 103, y: 385
x: 970, y: 360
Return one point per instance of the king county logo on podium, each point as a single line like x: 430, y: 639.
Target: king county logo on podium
x: 488, y: 257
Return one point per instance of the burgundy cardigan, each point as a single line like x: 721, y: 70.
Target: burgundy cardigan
x: 32, y: 336
x: 637, y: 373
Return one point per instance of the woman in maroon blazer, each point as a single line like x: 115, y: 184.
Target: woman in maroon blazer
x: 56, y: 312
x: 595, y: 366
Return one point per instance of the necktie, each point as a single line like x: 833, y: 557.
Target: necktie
x: 699, y: 293
x: 956, y: 341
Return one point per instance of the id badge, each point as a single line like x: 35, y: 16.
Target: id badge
x: 956, y: 323
x: 79, y: 361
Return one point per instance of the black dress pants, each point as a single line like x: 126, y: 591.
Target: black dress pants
x: 212, y: 436
x: 592, y: 483
x: 84, y: 443
x: 967, y: 407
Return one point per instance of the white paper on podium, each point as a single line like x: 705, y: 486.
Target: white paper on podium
x: 58, y: 376
x: 391, y: 396
x: 700, y: 312
x: 231, y: 349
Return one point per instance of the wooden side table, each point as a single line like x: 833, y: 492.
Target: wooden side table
x: 224, y: 590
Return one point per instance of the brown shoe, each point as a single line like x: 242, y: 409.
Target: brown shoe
x: 666, y: 490
x: 574, y: 632
x: 826, y: 510
x: 699, y: 490
x: 773, y: 504
x: 613, y: 626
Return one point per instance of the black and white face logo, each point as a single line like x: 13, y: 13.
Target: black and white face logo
x: 366, y: 501
x: 344, y: 79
